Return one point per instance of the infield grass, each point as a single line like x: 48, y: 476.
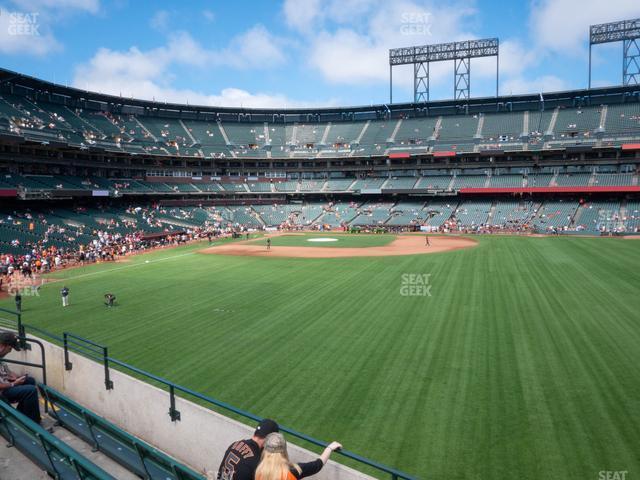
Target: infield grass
x: 523, y: 363
x: 343, y: 240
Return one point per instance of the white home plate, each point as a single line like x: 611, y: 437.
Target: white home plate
x: 322, y: 239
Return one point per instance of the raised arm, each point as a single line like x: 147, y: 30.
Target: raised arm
x: 332, y: 447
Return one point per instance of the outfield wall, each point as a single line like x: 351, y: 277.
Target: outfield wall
x: 199, y: 439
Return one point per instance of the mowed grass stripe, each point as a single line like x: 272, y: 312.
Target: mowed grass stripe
x: 523, y: 363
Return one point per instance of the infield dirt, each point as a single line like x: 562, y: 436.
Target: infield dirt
x: 402, y: 245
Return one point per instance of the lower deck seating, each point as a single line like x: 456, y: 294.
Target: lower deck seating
x: 509, y: 213
x: 631, y: 219
x: 42, y: 448
x: 555, y: 215
x: 473, y: 213
x: 407, y: 213
x: 338, y: 214
x: 439, y: 211
x: 135, y: 455
x: 68, y: 229
x: 275, y: 215
x: 373, y: 214
x: 597, y: 217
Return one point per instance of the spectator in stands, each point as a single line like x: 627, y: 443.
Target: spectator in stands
x: 275, y: 463
x: 242, y: 457
x: 15, y: 389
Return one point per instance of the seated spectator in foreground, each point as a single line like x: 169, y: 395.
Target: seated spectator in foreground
x: 14, y: 388
x: 242, y: 457
x: 275, y: 463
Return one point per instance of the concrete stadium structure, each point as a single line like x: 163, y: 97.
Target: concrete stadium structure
x: 75, y: 163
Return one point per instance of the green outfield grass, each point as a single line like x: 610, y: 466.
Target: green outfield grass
x: 523, y: 363
x: 343, y: 240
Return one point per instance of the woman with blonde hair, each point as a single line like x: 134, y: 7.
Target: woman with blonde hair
x: 275, y: 463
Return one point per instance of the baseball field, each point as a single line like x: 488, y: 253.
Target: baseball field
x: 514, y: 358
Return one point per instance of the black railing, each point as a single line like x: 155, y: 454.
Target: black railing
x: 13, y: 322
x: 100, y: 353
x: 92, y: 350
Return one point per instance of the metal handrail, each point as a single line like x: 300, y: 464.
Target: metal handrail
x: 19, y: 326
x: 175, y: 416
x: 69, y: 341
x: 91, y: 420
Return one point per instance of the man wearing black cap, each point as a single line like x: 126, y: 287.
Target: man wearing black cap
x: 15, y: 389
x: 242, y: 457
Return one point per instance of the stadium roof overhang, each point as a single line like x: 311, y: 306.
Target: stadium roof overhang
x: 44, y: 89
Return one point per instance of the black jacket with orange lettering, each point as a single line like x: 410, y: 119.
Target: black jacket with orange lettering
x: 240, y: 461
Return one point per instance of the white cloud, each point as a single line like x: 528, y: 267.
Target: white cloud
x: 299, y: 14
x: 26, y: 28
x: 90, y: 6
x: 208, y: 15
x: 351, y: 39
x: 256, y: 48
x: 131, y: 66
x: 525, y: 84
x: 235, y: 97
x: 151, y: 89
x: 307, y: 16
x: 24, y: 33
x: 357, y: 50
x: 347, y: 57
x: 150, y: 74
x: 561, y: 25
x: 184, y: 49
x: 159, y: 20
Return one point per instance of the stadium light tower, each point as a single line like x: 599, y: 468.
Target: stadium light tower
x: 460, y: 52
x: 627, y: 32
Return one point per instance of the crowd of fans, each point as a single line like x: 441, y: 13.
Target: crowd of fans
x: 107, y: 244
x: 21, y: 270
x: 108, y: 238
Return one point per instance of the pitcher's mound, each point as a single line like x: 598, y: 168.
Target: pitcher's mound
x: 402, y: 245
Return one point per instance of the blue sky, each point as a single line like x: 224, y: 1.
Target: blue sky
x: 300, y: 52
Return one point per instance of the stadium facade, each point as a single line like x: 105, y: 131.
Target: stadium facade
x: 76, y: 165
x: 558, y: 162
